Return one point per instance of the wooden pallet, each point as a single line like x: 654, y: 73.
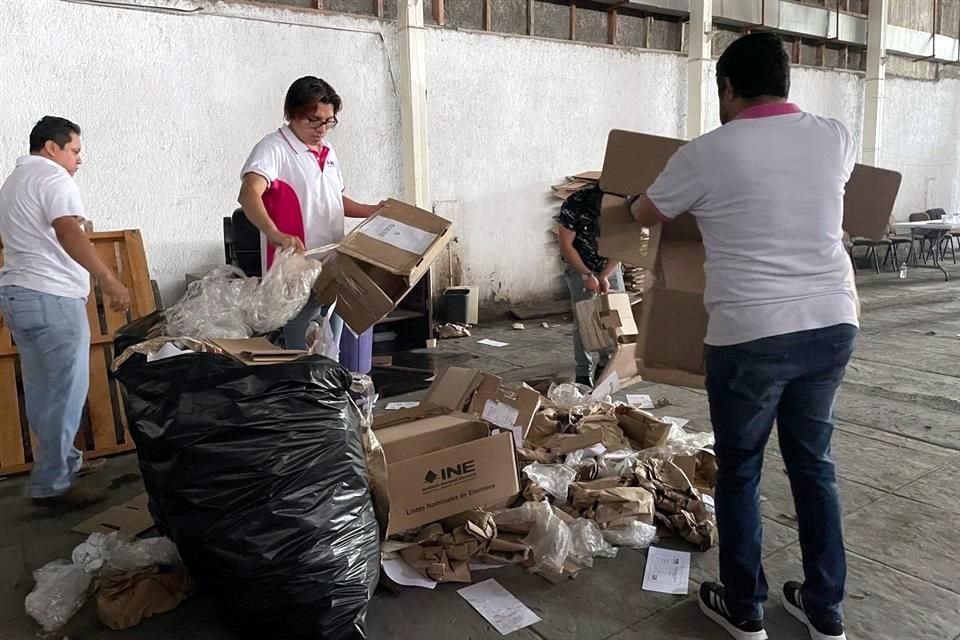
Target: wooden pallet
x: 103, y: 428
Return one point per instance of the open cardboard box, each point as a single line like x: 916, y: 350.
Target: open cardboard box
x: 440, y: 463
x: 378, y: 262
x: 257, y: 351
x: 482, y: 394
x: 672, y: 320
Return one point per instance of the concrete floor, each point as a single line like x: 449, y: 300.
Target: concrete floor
x: 898, y: 449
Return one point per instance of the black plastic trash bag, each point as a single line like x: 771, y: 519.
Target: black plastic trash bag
x: 258, y: 474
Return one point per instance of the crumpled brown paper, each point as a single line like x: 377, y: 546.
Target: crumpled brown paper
x: 444, y: 554
x: 125, y: 598
x: 679, y: 509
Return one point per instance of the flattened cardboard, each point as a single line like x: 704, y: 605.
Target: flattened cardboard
x: 870, y: 190
x: 564, y: 443
x: 389, y: 257
x: 430, y: 487
x: 634, y: 160
x: 454, y: 387
x: 256, y: 351
x: 621, y: 238
x: 129, y: 519
x: 605, y: 321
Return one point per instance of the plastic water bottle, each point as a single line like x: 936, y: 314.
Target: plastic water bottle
x: 903, y: 271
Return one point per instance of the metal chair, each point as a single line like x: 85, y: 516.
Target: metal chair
x: 946, y: 240
x: 920, y: 235
x: 896, y: 241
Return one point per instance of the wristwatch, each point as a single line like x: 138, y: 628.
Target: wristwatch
x: 629, y: 200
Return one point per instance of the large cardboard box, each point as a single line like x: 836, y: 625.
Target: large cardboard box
x: 605, y: 321
x: 378, y: 262
x: 440, y: 463
x: 672, y: 320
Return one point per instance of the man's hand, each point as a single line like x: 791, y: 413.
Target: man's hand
x: 117, y: 293
x: 285, y: 241
x: 604, y: 284
x: 591, y: 284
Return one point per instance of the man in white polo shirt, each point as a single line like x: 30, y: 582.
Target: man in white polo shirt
x: 767, y: 190
x: 292, y: 188
x: 44, y: 284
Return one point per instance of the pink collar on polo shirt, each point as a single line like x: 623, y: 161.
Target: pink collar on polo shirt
x: 768, y: 110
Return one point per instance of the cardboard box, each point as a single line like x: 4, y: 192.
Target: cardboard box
x: 128, y: 520
x: 378, y: 262
x: 440, y: 463
x: 672, y: 321
x: 605, y: 321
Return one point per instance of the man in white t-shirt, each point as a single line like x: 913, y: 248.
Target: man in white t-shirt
x: 767, y: 190
x: 44, y: 284
x: 292, y: 188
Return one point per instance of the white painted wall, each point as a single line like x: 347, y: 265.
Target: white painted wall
x: 509, y: 116
x: 171, y: 105
x: 921, y: 126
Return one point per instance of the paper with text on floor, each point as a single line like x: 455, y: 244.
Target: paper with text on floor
x: 402, y: 573
x: 640, y: 401
x: 607, y: 387
x: 500, y: 414
x: 398, y: 234
x: 667, y: 571
x: 393, y: 406
x: 498, y: 606
x: 492, y: 343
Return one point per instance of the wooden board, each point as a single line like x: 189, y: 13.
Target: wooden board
x: 103, y: 426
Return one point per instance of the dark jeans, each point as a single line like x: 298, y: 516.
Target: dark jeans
x: 793, y: 379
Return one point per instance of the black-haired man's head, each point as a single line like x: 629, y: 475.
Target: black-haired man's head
x: 57, y: 139
x: 311, y: 109
x: 754, y: 69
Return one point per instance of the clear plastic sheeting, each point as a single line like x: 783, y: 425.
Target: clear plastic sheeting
x: 687, y: 443
x: 227, y: 304
x: 60, y: 591
x: 62, y: 585
x: 637, y: 535
x: 615, y: 464
x: 555, y: 479
x: 549, y: 539
x: 569, y: 395
x: 587, y: 543
x: 320, y: 338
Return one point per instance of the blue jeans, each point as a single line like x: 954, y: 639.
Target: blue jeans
x: 295, y: 331
x: 584, y: 359
x: 52, y: 335
x: 793, y: 379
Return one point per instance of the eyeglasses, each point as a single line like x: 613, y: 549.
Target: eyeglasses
x: 318, y: 123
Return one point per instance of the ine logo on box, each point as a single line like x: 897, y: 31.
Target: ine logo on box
x: 466, y: 468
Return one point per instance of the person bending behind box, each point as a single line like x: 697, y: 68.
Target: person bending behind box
x: 44, y: 284
x: 766, y: 189
x: 292, y: 189
x: 586, y: 272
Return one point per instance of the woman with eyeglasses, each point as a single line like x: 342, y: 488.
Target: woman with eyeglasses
x: 292, y: 188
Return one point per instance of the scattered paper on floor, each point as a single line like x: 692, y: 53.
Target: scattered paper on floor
x: 492, y: 343
x: 402, y: 573
x: 680, y: 422
x: 667, y: 571
x: 393, y: 406
x: 498, y: 606
x: 640, y: 401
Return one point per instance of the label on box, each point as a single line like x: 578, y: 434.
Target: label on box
x: 400, y: 235
x: 500, y: 414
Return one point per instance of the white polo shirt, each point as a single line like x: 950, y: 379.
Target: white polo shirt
x: 38, y: 192
x: 767, y: 192
x: 305, y: 195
